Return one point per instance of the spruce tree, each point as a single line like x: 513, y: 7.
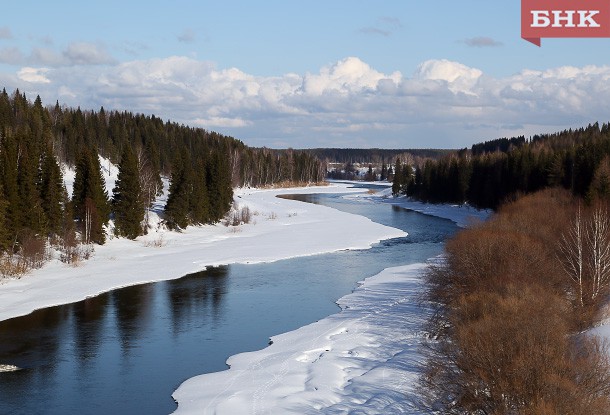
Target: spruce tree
x: 178, y: 205
x: 127, y: 197
x: 4, y: 232
x: 218, y: 180
x: 30, y: 205
x: 397, y: 182
x: 198, y: 200
x: 89, y: 197
x: 52, y: 192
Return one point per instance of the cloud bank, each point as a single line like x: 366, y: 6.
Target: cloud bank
x: 345, y: 104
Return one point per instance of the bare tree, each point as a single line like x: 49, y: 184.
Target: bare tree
x: 598, y: 239
x: 571, y: 247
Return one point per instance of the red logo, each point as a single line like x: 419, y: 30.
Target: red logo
x: 564, y: 18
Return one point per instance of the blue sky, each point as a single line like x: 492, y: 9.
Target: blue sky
x: 408, y: 74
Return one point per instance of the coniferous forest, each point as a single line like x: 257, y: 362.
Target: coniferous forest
x: 202, y: 166
x: 493, y: 172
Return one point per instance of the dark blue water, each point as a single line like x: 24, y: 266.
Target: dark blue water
x: 126, y: 351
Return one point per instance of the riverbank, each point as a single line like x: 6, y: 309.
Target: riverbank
x: 364, y: 358
x: 279, y: 229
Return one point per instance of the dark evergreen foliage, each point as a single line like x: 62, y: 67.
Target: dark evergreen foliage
x: 35, y: 140
x: 127, y: 197
x: 496, y: 171
x: 89, y: 197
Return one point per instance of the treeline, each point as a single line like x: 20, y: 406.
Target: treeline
x: 371, y: 155
x: 513, y: 296
x: 203, y: 167
x: 492, y: 172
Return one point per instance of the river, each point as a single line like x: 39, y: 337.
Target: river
x: 126, y: 351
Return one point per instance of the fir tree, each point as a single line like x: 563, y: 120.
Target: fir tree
x: 89, y: 197
x: 127, y: 197
x: 4, y: 232
x: 397, y: 181
x: 177, y: 206
x: 52, y: 192
x: 199, y: 200
x: 218, y: 182
x: 30, y: 205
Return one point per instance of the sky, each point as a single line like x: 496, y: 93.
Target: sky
x: 333, y: 73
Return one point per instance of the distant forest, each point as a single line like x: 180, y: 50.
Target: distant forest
x: 203, y: 167
x: 495, y: 171
x: 371, y: 155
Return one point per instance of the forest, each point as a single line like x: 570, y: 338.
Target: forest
x: 495, y: 171
x: 37, y: 144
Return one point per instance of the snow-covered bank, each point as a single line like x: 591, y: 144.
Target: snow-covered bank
x: 280, y: 229
x: 364, y: 359
x: 361, y: 360
x: 462, y: 215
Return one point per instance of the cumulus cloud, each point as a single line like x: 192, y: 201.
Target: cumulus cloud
x: 347, y: 103
x: 83, y: 53
x: 33, y: 75
x: 482, y: 42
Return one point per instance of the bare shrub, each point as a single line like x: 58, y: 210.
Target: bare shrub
x: 34, y: 251
x: 12, y: 266
x: 272, y: 216
x: 238, y: 216
x: 158, y: 242
x: 504, y: 335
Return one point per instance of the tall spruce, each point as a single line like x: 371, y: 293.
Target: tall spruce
x: 53, y: 193
x: 89, y: 198
x: 178, y: 205
x: 127, y: 197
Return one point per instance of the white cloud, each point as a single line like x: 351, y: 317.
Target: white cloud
x: 33, y: 75
x: 443, y: 104
x: 78, y: 53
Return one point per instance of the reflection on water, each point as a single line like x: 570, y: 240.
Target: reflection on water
x: 126, y: 351
x: 195, y: 296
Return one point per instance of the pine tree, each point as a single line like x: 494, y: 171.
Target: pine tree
x: 127, y: 197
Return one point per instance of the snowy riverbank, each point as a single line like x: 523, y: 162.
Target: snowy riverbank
x: 280, y: 229
x: 364, y: 359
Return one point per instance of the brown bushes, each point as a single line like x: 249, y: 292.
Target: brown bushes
x: 505, y: 326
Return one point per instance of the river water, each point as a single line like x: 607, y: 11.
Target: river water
x: 126, y: 351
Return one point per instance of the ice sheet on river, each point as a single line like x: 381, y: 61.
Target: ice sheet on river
x: 361, y: 360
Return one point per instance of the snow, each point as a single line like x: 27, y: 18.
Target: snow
x: 463, y: 215
x: 364, y: 359
x: 280, y: 229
